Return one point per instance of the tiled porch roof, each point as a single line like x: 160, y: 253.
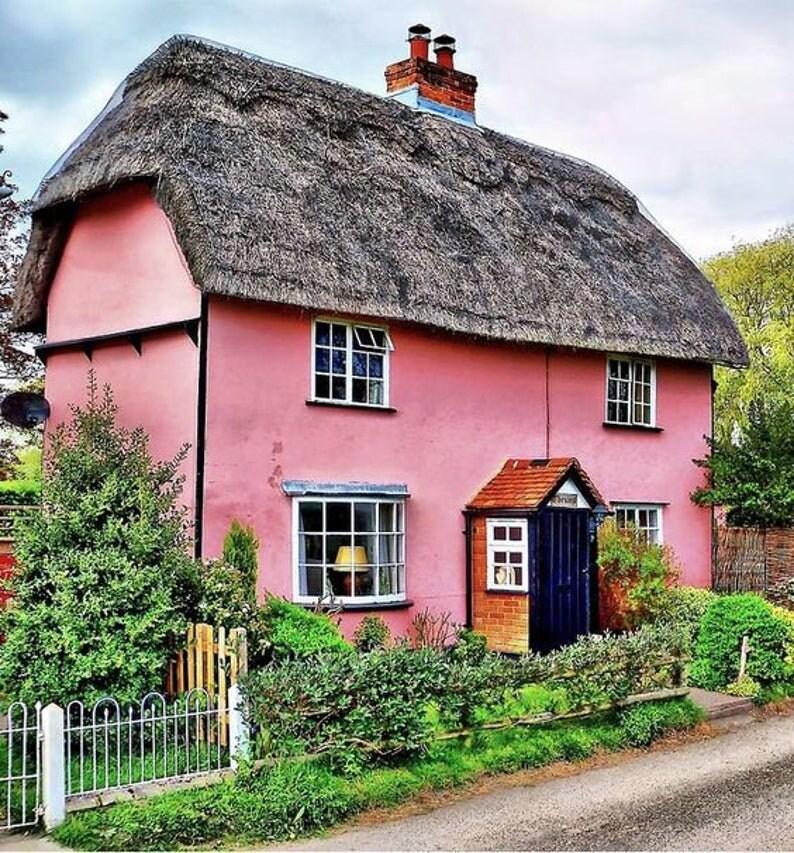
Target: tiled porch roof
x: 527, y: 483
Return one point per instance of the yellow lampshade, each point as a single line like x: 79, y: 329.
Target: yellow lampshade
x: 352, y: 559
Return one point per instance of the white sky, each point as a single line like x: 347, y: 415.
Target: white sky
x: 690, y: 103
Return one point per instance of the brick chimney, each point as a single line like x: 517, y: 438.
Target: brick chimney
x: 436, y: 87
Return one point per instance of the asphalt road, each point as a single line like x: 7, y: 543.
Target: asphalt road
x: 731, y: 792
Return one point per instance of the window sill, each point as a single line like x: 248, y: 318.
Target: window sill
x: 359, y: 608
x: 639, y: 427
x: 339, y: 405
x: 498, y: 591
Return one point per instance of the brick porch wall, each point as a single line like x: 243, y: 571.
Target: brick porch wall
x: 501, y: 617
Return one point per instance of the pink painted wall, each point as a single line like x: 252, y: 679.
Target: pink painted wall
x: 121, y: 269
x: 462, y: 408
x: 156, y: 390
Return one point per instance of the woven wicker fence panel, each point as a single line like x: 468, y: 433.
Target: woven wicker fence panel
x: 739, y: 560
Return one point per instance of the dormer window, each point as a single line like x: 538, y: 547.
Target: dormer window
x: 350, y: 363
x: 631, y: 392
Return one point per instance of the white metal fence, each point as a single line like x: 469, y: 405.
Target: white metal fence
x: 49, y: 756
x: 20, y: 766
x: 109, y: 747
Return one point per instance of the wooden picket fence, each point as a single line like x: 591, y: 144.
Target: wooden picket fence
x: 212, y: 660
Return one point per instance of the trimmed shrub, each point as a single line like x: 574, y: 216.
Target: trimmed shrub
x: 717, y: 652
x: 372, y: 633
x: 601, y: 669
x: 294, y: 632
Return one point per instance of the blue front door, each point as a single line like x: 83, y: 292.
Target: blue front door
x: 561, y: 590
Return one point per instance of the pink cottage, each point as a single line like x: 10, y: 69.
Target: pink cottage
x: 420, y: 357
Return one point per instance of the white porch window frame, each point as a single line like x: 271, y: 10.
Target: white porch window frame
x: 635, y: 381
x: 632, y: 518
x: 359, y: 340
x: 509, y: 547
x: 376, y: 565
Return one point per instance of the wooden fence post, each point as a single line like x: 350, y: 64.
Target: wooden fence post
x: 743, y: 656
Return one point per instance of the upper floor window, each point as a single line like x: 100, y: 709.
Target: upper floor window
x: 507, y: 554
x: 631, y: 391
x: 350, y: 363
x: 644, y: 519
x: 351, y: 549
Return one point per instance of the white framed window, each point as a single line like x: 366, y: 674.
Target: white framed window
x: 631, y: 391
x: 350, y: 363
x: 353, y: 549
x: 644, y: 519
x: 507, y: 554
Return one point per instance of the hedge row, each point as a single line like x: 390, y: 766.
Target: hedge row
x: 355, y: 707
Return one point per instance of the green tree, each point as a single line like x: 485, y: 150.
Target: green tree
x: 756, y: 281
x: 19, y: 366
x: 105, y: 584
x: 752, y: 475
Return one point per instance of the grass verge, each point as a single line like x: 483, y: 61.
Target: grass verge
x: 293, y: 799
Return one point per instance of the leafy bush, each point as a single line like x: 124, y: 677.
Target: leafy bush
x: 228, y: 599
x: 470, y: 646
x: 717, y: 652
x: 293, y: 799
x: 787, y: 617
x: 685, y: 607
x: 294, y: 632
x: 531, y: 700
x: 642, y: 724
x: 104, y: 586
x: 276, y: 629
x: 640, y: 572
x: 745, y: 687
x: 372, y: 633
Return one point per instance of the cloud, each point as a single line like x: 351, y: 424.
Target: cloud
x: 688, y: 102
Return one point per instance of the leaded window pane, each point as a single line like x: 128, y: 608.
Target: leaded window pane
x: 350, y: 548
x: 354, y: 361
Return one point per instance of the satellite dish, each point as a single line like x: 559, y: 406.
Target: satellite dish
x: 25, y: 409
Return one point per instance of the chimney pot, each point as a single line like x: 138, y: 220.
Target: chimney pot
x: 419, y: 39
x: 444, y: 47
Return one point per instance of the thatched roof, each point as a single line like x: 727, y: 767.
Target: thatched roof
x: 288, y: 188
